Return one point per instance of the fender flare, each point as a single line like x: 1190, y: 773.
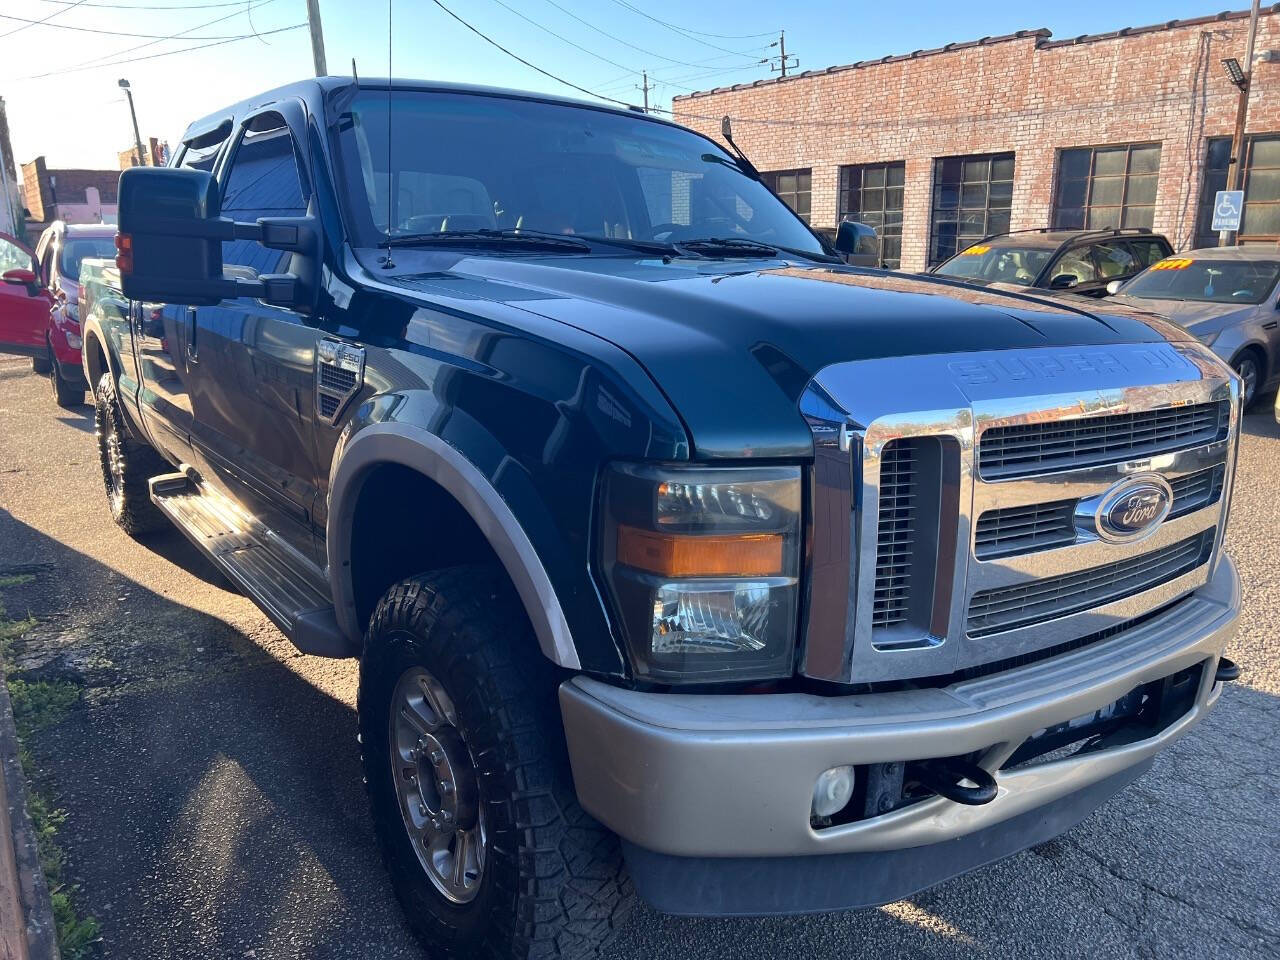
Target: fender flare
x: 420, y: 450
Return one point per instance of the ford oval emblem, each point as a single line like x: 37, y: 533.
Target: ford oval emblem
x: 1134, y: 508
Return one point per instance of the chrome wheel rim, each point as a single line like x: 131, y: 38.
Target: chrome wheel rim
x: 436, y: 786
x: 1248, y: 370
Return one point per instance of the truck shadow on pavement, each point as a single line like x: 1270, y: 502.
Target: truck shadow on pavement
x: 216, y: 809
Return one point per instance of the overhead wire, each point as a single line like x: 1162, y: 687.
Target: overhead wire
x: 35, y: 23
x: 694, y: 35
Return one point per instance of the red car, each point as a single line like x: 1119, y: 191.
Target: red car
x: 25, y: 303
x: 39, y: 301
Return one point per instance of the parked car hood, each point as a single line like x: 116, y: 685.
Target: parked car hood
x: 733, y: 343
x: 1198, y: 317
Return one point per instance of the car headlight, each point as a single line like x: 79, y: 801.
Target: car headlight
x: 703, y: 566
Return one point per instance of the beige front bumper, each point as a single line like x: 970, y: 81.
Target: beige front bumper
x: 732, y: 776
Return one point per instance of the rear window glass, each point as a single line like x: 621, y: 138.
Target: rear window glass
x: 76, y: 249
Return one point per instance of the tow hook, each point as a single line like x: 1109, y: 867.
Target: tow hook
x: 1228, y: 670
x: 943, y: 778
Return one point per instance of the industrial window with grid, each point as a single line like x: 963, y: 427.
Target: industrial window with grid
x: 972, y: 197
x: 794, y: 187
x: 871, y: 193
x: 1100, y: 187
x: 1261, y: 189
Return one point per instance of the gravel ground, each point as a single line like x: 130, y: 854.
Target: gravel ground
x: 212, y: 779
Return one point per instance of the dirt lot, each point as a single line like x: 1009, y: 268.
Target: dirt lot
x: 215, y: 805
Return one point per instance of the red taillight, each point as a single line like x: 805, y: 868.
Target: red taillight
x: 124, y: 252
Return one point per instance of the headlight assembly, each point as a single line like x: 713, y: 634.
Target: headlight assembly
x: 703, y: 566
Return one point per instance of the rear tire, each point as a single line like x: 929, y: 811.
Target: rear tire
x: 65, y: 394
x: 127, y: 465
x: 550, y: 882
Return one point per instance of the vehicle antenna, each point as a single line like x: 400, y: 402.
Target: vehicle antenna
x: 387, y: 262
x: 354, y: 74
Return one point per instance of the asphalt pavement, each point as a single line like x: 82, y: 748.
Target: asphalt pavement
x: 215, y: 805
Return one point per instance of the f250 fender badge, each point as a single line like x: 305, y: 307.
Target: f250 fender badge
x: 1130, y: 510
x: 339, y: 377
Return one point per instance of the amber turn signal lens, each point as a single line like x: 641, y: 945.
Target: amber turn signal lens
x: 124, y: 255
x: 687, y: 555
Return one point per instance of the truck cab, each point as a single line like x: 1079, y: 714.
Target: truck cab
x: 679, y: 555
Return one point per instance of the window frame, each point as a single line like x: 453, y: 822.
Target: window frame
x: 771, y: 177
x: 845, y: 189
x: 1210, y: 174
x: 935, y: 208
x: 1087, y: 205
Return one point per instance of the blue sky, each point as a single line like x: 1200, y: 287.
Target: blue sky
x: 76, y: 115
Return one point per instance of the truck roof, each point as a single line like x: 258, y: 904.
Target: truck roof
x: 315, y: 89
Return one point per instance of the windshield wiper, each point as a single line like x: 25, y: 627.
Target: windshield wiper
x: 644, y: 246
x: 730, y: 246
x: 526, y: 238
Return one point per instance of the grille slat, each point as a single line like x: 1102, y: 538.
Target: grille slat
x: 1032, y: 448
x: 1012, y: 531
x: 899, y: 488
x: 1007, y: 608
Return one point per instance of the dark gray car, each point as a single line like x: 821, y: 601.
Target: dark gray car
x: 1228, y: 298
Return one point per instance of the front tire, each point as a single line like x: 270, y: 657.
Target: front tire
x: 65, y: 394
x: 127, y: 465
x: 1250, y: 371
x: 453, y: 689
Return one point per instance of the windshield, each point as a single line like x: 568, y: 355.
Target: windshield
x: 466, y: 162
x: 992, y: 264
x: 1213, y: 281
x: 75, y: 249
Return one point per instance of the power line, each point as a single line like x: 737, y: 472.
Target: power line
x: 693, y: 35
x: 532, y: 66
x: 105, y: 33
x: 143, y: 6
x: 576, y: 46
x: 166, y: 53
x: 648, y: 53
x: 34, y: 23
x: 173, y: 36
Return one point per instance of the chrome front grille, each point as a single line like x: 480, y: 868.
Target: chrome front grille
x: 1012, y: 531
x: 994, y: 611
x: 1041, y: 447
x: 980, y: 485
x: 896, y: 531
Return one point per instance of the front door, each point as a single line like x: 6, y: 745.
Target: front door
x: 24, y: 303
x: 254, y: 394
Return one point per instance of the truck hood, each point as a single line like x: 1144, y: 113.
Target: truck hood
x: 733, y: 343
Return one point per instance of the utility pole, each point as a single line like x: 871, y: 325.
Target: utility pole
x: 140, y: 157
x: 645, y: 87
x: 781, y: 66
x: 317, y: 37
x: 1235, y: 177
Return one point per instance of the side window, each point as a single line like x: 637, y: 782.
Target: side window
x: 1076, y: 263
x: 1148, y: 252
x: 13, y: 257
x: 1115, y: 260
x: 264, y: 181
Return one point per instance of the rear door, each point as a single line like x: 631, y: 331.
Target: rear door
x: 24, y: 303
x: 254, y: 389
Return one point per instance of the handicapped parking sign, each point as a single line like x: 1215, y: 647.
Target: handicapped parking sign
x: 1227, y: 208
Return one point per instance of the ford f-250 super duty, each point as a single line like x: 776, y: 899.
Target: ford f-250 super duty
x: 647, y: 517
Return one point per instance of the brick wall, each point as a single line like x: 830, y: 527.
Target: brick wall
x: 45, y: 189
x: 1025, y: 92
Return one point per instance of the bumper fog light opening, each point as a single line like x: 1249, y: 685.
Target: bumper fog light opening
x: 832, y: 791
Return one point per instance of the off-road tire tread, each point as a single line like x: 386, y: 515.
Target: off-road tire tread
x: 134, y: 512
x: 571, y: 891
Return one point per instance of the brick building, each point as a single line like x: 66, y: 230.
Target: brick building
x: 155, y: 153
x: 937, y: 148
x: 76, y: 196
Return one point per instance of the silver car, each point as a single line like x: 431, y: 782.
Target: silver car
x: 1228, y: 298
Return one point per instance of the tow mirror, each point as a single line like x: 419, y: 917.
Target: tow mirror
x: 169, y: 245
x: 1062, y: 281
x: 858, y: 243
x: 1114, y: 286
